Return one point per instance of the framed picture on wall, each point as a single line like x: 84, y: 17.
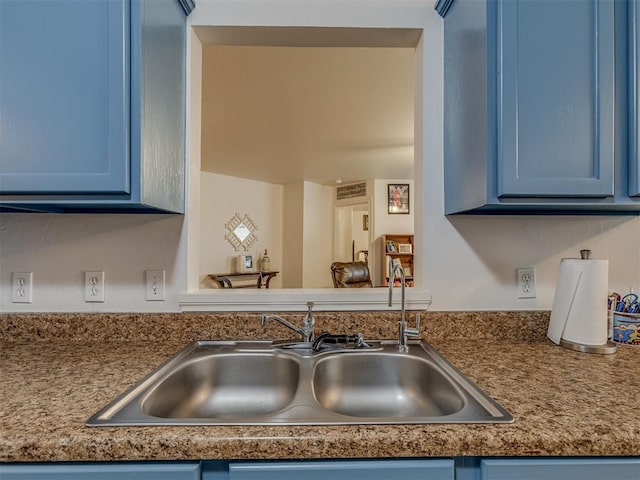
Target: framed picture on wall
x: 365, y: 222
x: 398, y: 198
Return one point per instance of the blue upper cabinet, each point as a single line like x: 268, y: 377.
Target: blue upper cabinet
x: 64, y: 79
x: 535, y: 107
x: 634, y: 98
x: 92, y: 105
x: 555, y: 98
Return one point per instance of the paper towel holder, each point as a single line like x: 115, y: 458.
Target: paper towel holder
x: 604, y: 349
x: 562, y: 305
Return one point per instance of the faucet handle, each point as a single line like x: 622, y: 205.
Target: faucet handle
x: 412, y: 332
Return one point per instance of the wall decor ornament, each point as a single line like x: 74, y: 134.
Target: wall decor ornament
x: 241, y: 232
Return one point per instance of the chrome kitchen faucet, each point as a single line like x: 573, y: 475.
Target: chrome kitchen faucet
x: 404, y: 332
x: 307, y: 331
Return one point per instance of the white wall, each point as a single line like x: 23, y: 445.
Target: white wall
x: 318, y: 235
x: 292, y: 255
x: 343, y: 234
x: 221, y: 198
x: 58, y: 249
x: 386, y: 223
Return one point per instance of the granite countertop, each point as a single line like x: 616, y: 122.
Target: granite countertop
x: 564, y: 402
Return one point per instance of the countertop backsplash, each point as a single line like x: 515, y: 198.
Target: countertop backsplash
x: 185, y: 327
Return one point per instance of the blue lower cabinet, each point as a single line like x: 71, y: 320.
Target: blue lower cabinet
x: 561, y: 469
x: 102, y: 471
x: 427, y: 469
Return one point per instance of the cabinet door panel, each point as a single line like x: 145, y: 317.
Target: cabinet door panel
x: 560, y: 469
x: 555, y: 98
x: 634, y: 99
x: 345, y: 470
x: 64, y: 79
x: 102, y: 471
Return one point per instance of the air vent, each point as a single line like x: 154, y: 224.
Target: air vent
x: 351, y: 191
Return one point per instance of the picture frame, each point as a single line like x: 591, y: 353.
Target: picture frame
x: 405, y: 248
x: 365, y: 222
x: 398, y: 198
x: 390, y: 246
x: 244, y: 263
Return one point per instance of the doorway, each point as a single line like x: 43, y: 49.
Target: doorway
x: 352, y: 239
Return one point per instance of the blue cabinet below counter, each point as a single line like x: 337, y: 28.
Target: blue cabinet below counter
x: 456, y: 468
x: 427, y: 469
x: 560, y: 469
x: 102, y: 471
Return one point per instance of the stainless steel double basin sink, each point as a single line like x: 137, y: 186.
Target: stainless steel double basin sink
x: 263, y: 383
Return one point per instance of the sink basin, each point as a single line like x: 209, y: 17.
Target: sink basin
x: 225, y: 386
x: 384, y: 385
x: 261, y: 383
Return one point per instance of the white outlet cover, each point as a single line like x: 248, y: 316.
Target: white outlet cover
x: 21, y: 287
x: 94, y: 287
x: 526, y: 282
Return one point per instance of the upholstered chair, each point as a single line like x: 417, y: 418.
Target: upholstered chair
x: 350, y: 275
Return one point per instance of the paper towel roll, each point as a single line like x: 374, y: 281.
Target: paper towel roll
x: 579, y: 312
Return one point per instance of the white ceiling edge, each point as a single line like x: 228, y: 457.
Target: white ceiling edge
x: 292, y: 300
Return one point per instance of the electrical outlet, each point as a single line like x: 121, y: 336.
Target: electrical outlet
x: 155, y: 285
x: 526, y: 282
x: 21, y: 287
x: 94, y: 286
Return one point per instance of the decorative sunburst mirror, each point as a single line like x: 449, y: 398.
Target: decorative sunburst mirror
x: 241, y: 232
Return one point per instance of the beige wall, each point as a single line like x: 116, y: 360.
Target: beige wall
x: 222, y: 197
x: 318, y: 235
x: 292, y: 253
x: 58, y: 249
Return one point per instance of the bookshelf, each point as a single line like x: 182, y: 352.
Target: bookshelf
x: 397, y: 248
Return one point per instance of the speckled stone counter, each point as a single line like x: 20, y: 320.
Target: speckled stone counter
x: 57, y: 370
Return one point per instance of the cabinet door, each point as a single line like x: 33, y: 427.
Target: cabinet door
x: 64, y: 100
x: 102, y: 471
x: 561, y: 469
x: 555, y: 98
x: 634, y: 99
x: 439, y: 469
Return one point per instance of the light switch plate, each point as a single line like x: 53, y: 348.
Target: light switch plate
x: 155, y: 285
